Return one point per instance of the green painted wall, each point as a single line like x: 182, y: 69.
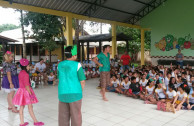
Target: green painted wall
x: 174, y: 17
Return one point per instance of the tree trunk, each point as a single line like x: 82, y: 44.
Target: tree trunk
x: 50, y: 56
x: 76, y: 41
x: 23, y: 34
x: 63, y: 42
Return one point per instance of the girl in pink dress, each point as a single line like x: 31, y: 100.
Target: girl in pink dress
x: 25, y: 95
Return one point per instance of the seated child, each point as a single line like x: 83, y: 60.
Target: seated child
x: 180, y: 97
x: 143, y: 82
x: 190, y: 101
x: 51, y: 79
x: 135, y: 88
x: 149, y: 93
x: 170, y: 95
x: 125, y: 84
x: 33, y: 71
x: 114, y: 85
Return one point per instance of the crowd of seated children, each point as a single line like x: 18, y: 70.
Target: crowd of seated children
x: 170, y: 88
x: 90, y: 69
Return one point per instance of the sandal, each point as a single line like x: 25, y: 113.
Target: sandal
x: 147, y: 102
x: 25, y: 124
x: 15, y: 111
x: 38, y: 123
x: 9, y: 108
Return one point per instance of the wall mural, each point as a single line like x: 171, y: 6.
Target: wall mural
x: 169, y: 42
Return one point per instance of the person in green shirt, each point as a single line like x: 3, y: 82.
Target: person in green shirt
x: 104, y: 58
x: 71, y: 84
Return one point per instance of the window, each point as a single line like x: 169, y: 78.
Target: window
x: 18, y: 47
x: 35, y: 50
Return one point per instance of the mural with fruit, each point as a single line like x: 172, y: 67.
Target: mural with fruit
x: 169, y: 42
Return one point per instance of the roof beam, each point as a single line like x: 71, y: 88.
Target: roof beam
x: 108, y: 8
x: 93, y: 8
x: 145, y: 10
x: 61, y: 13
x: 143, y: 3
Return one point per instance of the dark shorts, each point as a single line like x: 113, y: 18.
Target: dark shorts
x: 37, y: 72
x: 136, y: 93
x: 161, y: 98
x: 50, y: 82
x: 104, y: 79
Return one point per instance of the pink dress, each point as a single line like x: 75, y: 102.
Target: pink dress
x: 22, y: 97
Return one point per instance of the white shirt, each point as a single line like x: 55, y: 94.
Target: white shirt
x: 191, y: 99
x: 173, y: 75
x: 150, y: 90
x: 40, y: 67
x: 126, y: 86
x: 171, y: 95
x: 115, y: 83
x: 143, y: 83
x: 50, y: 78
x: 137, y: 79
x: 166, y: 81
x: 160, y: 92
x: 181, y: 96
x: 33, y: 70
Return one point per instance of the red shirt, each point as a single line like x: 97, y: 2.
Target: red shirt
x: 125, y: 59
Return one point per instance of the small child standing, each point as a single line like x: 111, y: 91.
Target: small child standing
x: 25, y: 95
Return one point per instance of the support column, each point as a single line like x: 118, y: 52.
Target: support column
x: 69, y: 30
x: 142, y: 47
x: 88, y: 48
x: 22, y: 51
x: 113, y: 40
x: 83, y: 55
x: 94, y: 49
x: 100, y: 46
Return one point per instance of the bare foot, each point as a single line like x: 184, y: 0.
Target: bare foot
x: 105, y: 99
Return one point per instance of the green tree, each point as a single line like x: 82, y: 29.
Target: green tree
x: 6, y: 27
x: 46, y: 28
x: 135, y: 43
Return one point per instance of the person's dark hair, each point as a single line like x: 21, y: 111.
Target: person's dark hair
x: 68, y: 53
x: 41, y: 59
x: 24, y: 68
x: 18, y: 63
x: 185, y: 88
x: 133, y: 78
x: 161, y: 72
x: 172, y: 86
x: 114, y: 75
x: 125, y: 77
x: 105, y: 46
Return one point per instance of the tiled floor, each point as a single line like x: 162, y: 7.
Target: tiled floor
x: 118, y: 111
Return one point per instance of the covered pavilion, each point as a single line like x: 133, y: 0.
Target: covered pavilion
x: 125, y: 13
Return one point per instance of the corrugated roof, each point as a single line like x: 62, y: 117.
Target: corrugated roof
x: 127, y: 11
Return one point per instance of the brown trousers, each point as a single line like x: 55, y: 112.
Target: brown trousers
x: 69, y: 111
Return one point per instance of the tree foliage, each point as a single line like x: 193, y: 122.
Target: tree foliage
x: 135, y: 43
x: 46, y: 28
x: 6, y: 27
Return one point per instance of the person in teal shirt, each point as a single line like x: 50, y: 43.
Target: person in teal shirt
x: 104, y: 59
x: 71, y: 84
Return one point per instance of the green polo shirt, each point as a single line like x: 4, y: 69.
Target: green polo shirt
x: 105, y: 61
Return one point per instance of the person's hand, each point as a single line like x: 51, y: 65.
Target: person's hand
x: 11, y: 86
x: 100, y: 65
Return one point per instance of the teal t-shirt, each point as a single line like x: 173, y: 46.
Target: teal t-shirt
x: 70, y: 73
x: 105, y: 61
